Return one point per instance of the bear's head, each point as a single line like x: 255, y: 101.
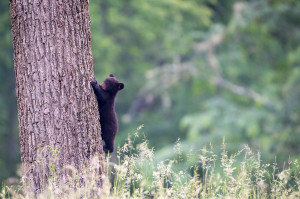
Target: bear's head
x: 111, y: 85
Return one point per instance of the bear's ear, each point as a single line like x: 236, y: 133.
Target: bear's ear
x: 111, y: 75
x: 120, y: 86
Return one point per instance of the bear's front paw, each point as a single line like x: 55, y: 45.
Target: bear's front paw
x: 94, y: 82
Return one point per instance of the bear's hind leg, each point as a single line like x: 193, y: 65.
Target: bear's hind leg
x: 109, y: 147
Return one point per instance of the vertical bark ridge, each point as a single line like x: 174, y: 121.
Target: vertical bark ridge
x: 53, y: 67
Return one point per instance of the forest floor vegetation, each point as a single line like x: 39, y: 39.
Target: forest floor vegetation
x: 206, y: 174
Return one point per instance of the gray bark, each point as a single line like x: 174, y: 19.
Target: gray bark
x: 53, y: 68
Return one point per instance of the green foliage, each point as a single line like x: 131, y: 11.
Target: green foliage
x: 9, y: 155
x: 241, y: 84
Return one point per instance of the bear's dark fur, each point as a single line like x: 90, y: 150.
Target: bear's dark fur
x: 106, y: 93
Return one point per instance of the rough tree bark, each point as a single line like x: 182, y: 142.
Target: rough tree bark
x: 53, y: 68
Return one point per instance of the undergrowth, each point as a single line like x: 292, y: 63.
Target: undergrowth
x: 208, y: 174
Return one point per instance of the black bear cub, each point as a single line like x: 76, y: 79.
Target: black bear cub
x: 106, y: 93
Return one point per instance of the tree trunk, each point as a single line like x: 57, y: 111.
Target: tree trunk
x: 56, y: 104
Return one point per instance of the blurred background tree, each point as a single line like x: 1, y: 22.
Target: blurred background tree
x: 194, y: 70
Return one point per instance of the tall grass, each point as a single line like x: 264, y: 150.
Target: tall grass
x: 212, y: 175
